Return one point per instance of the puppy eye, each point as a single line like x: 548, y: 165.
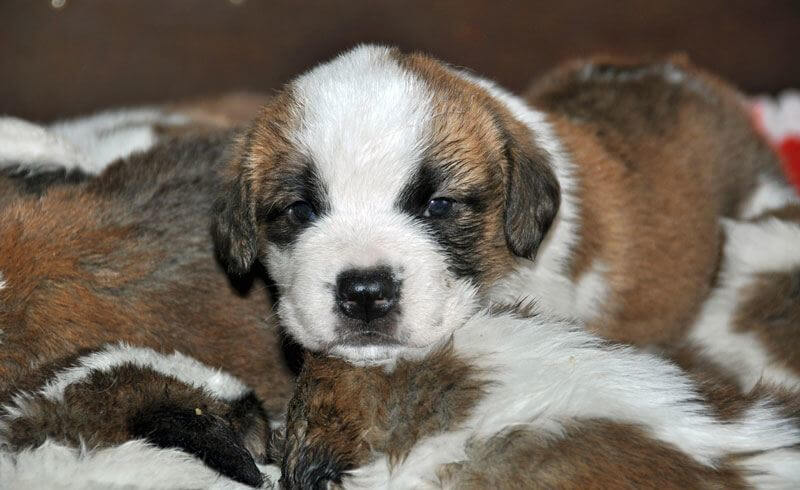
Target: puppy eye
x: 302, y: 212
x: 438, y: 208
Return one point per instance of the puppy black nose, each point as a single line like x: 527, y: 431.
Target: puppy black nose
x: 366, y: 294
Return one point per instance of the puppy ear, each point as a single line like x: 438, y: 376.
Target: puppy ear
x: 533, y: 195
x: 234, y: 226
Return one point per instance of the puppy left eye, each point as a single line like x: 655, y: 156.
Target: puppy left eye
x: 440, y: 207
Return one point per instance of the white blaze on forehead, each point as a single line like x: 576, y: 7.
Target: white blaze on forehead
x: 363, y: 123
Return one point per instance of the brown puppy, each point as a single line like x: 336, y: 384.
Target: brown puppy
x: 126, y: 256
x: 382, y: 189
x: 661, y: 150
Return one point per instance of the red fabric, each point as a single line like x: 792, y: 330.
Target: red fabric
x: 789, y: 150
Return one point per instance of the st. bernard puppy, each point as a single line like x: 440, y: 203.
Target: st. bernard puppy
x: 382, y: 189
x: 521, y: 399
x: 127, y: 256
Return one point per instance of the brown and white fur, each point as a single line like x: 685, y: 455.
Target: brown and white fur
x: 90, y: 143
x: 750, y: 325
x: 135, y: 464
x: 527, y: 400
x: 598, y: 196
x: 486, y: 401
x: 121, y: 398
x: 127, y: 256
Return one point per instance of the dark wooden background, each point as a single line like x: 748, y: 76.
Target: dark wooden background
x: 89, y: 54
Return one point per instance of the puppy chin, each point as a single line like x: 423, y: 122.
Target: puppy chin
x: 377, y: 355
x: 420, y: 340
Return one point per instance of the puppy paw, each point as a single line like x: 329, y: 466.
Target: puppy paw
x: 331, y: 422
x: 312, y: 467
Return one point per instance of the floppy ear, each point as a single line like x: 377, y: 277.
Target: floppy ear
x: 533, y: 195
x: 234, y: 226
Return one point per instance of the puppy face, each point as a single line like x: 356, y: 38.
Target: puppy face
x: 382, y: 191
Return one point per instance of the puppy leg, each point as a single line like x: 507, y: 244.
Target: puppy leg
x: 209, y: 436
x: 335, y: 419
x: 342, y: 416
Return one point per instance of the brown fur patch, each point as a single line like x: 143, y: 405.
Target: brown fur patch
x: 342, y: 415
x: 480, y: 145
x: 466, y: 144
x: 98, y: 410
x: 128, y: 257
x: 253, y: 192
x: 770, y: 308
x: 266, y: 145
x: 718, y: 388
x: 590, y: 454
x: 9, y: 191
x: 721, y: 392
x: 657, y: 163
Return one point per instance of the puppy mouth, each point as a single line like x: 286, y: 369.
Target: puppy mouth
x: 368, y: 338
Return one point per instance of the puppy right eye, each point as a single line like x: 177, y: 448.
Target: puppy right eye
x: 301, y: 212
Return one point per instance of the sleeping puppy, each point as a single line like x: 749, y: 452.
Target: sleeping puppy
x: 380, y: 187
x: 521, y: 399
x: 127, y: 256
